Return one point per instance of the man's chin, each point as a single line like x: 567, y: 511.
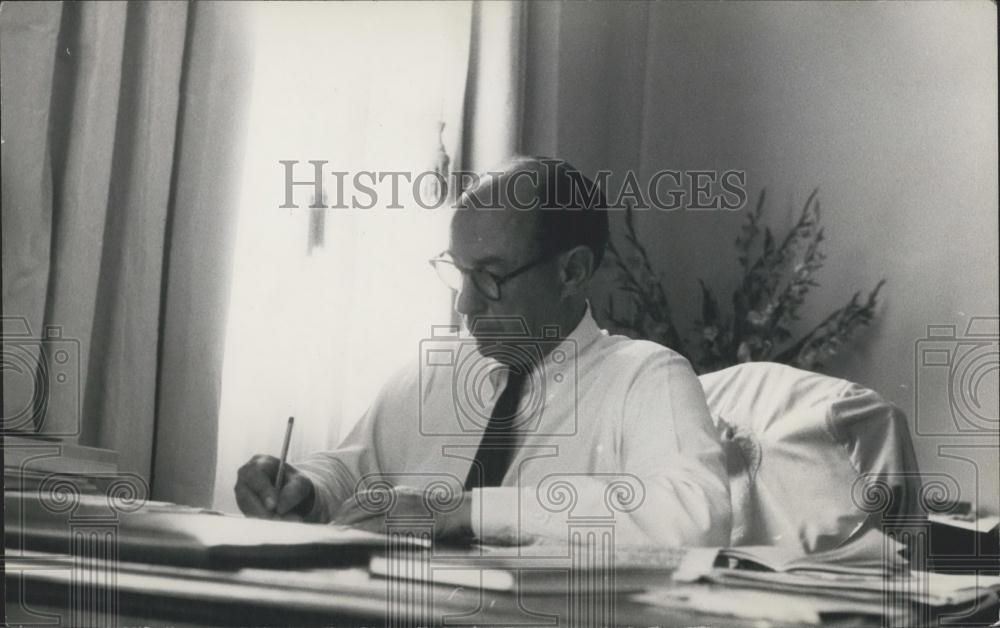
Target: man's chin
x: 497, y: 328
x: 487, y: 337
x: 485, y: 343
x: 490, y: 346
x: 508, y: 351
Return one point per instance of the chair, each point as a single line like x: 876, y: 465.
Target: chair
x: 812, y: 460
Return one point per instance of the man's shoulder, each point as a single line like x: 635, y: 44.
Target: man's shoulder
x: 625, y: 351
x: 415, y: 376
x: 400, y: 384
x: 405, y: 374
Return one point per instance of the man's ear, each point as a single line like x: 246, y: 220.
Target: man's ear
x: 576, y: 269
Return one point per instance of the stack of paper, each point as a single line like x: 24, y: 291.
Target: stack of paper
x: 809, y: 597
x: 25, y: 479
x: 961, y: 542
x: 189, y: 537
x: 548, y: 569
x: 30, y: 459
x: 919, y: 587
x: 871, y: 554
x: 866, y: 577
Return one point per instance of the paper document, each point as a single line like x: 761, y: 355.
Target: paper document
x: 872, y: 553
x: 190, y: 537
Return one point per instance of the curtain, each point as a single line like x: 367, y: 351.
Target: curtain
x: 327, y: 303
x: 121, y: 126
x: 494, y: 94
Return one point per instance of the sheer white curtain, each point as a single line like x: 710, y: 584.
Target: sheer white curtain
x: 315, y: 329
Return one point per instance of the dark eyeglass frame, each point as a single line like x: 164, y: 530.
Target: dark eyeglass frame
x: 474, y: 273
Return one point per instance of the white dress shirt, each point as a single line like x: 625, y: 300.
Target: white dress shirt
x: 617, y: 433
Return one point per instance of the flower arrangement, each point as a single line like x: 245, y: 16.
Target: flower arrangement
x: 776, y: 278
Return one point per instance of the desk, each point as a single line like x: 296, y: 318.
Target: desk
x: 41, y: 588
x: 45, y: 589
x: 118, y: 584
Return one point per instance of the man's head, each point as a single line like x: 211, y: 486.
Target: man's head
x: 528, y: 238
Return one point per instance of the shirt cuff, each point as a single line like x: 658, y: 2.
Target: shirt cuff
x: 324, y: 501
x: 498, y: 518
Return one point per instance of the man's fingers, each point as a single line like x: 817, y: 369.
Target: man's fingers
x: 295, y: 490
x: 263, y: 485
x: 250, y: 504
x: 257, y: 477
x: 261, y: 463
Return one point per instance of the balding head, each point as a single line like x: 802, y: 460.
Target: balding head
x: 536, y: 230
x: 565, y: 208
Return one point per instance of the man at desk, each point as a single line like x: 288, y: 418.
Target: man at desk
x: 554, y: 416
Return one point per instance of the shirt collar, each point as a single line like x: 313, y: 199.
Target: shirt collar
x: 587, y: 330
x: 585, y: 333
x: 555, y: 362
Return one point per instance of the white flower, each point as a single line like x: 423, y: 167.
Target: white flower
x: 756, y: 318
x: 743, y: 353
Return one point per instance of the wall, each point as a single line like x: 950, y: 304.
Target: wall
x: 889, y: 108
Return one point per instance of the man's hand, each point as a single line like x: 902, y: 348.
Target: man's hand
x: 257, y: 497
x: 369, y: 510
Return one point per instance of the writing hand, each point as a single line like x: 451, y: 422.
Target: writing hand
x: 257, y: 497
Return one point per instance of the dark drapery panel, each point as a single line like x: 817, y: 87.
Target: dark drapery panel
x: 121, y: 127
x: 199, y: 253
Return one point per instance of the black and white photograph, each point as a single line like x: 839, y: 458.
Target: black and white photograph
x: 675, y: 313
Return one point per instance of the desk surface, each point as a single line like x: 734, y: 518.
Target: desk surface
x: 65, y: 591
x: 105, y: 585
x: 162, y: 595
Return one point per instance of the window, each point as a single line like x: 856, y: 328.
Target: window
x: 326, y: 303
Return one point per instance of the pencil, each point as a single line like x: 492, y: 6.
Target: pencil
x: 280, y: 479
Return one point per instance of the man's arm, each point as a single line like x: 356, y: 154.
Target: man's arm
x: 316, y: 485
x: 335, y: 474
x: 668, y: 449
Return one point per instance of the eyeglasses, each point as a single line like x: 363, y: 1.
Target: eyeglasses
x: 486, y: 283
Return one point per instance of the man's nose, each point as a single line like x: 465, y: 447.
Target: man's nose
x: 468, y: 301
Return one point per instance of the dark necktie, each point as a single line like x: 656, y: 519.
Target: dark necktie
x: 499, y: 443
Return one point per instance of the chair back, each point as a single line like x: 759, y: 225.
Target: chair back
x: 812, y: 460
